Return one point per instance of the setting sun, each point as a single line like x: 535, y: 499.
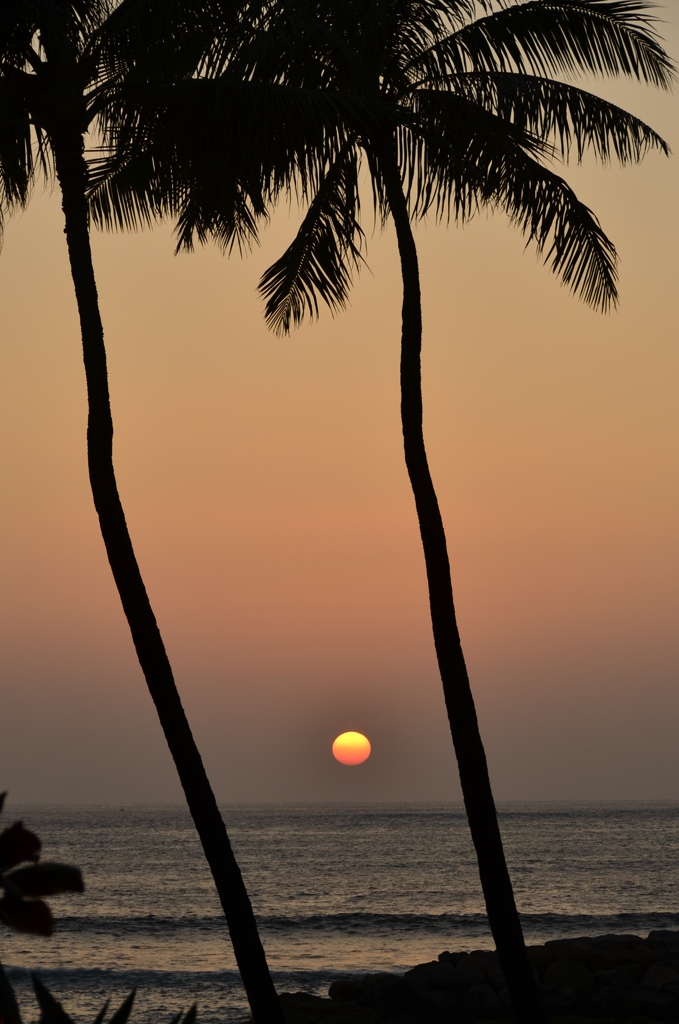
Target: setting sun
x: 351, y: 748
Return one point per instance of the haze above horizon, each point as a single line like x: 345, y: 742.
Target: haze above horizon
x: 270, y: 509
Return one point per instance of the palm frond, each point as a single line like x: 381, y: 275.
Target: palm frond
x: 214, y: 153
x: 326, y: 250
x: 18, y: 25
x: 563, y: 37
x: 449, y: 147
x: 165, y: 40
x: 62, y: 29
x: 566, y: 233
x: 17, y: 155
x: 228, y: 216
x: 570, y: 118
x: 125, y: 194
x: 464, y: 165
x: 136, y: 193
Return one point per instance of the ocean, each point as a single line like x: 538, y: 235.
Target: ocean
x: 337, y: 889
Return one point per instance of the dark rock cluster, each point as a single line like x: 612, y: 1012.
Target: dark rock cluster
x: 611, y: 976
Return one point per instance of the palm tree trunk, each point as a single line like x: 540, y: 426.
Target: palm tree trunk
x: 72, y: 175
x: 471, y: 758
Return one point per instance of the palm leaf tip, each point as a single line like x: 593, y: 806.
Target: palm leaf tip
x: 547, y: 37
x: 320, y: 261
x: 191, y: 1013
x: 566, y: 233
x: 51, y: 1010
x: 587, y: 262
x: 124, y: 1010
x: 102, y: 1013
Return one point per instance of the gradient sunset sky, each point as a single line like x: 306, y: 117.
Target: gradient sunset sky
x: 265, y: 490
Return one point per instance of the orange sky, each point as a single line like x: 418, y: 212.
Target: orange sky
x: 268, y: 502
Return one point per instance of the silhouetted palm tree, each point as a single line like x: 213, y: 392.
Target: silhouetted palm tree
x: 476, y: 118
x: 168, y: 137
x: 59, y: 82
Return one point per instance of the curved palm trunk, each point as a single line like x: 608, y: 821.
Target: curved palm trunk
x: 471, y: 759
x: 72, y: 174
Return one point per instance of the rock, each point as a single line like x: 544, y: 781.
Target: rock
x: 444, y: 977
x: 478, y: 960
x: 443, y: 1008
x: 619, y: 1002
x: 392, y: 992
x: 464, y: 977
x: 589, y: 1004
x: 598, y: 954
x: 659, y: 1005
x: 422, y: 975
x: 569, y: 949
x: 468, y: 957
x: 618, y: 978
x: 585, y: 976
x: 634, y: 971
x: 401, y: 1017
x: 346, y: 990
x: 555, y: 999
x: 370, y: 980
x: 540, y: 957
x: 569, y: 974
x: 622, y: 940
x: 643, y: 954
x: 303, y: 1008
x: 483, y: 1002
x: 396, y: 999
x: 606, y: 955
x: 495, y: 977
x: 658, y: 975
x: 505, y: 998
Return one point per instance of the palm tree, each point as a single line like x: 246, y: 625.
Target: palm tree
x: 477, y: 116
x: 55, y: 87
x: 135, y: 74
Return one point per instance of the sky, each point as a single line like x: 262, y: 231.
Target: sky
x: 268, y: 502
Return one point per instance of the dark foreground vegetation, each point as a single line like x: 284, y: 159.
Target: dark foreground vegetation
x: 25, y: 881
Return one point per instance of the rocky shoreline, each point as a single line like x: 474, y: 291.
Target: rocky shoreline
x: 605, y: 977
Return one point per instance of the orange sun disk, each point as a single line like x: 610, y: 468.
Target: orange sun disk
x: 351, y: 748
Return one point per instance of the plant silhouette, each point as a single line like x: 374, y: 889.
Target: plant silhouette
x: 63, y: 76
x: 25, y: 880
x: 477, y: 116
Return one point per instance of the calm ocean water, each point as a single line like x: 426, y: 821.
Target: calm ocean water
x: 337, y: 889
